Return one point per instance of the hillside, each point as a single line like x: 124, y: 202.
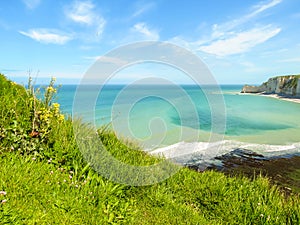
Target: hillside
x: 45, y: 180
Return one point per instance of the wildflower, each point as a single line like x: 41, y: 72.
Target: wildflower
x: 51, y: 172
x: 49, y: 161
x: 51, y: 89
x: 259, y: 204
x: 76, y: 186
x: 55, y: 105
x: 61, y: 117
x: 70, y: 177
x: 261, y: 215
x: 71, y: 172
x: 65, y: 180
x: 3, y: 201
x: 33, y: 158
x: 2, y: 193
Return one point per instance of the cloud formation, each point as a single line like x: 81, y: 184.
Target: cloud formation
x: 290, y: 60
x: 141, y: 9
x: 84, y: 14
x: 236, y: 36
x: 143, y: 29
x: 240, y: 42
x: 223, y: 29
x: 47, y: 36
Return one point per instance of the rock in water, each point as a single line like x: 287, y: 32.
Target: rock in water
x: 251, y: 89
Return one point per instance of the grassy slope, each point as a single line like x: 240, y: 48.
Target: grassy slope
x: 47, y: 182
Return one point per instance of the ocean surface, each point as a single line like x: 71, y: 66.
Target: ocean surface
x: 187, y: 121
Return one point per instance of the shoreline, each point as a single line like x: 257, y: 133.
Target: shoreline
x: 283, y: 171
x: 276, y: 96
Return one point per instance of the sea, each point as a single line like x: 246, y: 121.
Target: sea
x: 188, y: 121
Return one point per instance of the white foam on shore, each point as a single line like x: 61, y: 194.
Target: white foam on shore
x: 276, y: 96
x: 186, y: 151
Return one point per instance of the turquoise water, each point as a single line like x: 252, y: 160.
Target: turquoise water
x: 158, y: 116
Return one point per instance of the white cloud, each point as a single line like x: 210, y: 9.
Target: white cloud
x: 292, y: 60
x: 107, y: 59
x: 47, y: 36
x: 240, y: 42
x: 83, y: 13
x: 31, y: 4
x: 264, y: 6
x: 142, y: 9
x: 236, y: 36
x: 177, y: 40
x: 220, y: 30
x: 145, y: 31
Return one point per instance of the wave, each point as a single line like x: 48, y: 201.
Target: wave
x: 185, y: 152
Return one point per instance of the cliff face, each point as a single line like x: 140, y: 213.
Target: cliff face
x: 282, y: 85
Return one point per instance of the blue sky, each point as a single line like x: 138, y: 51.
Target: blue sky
x: 240, y: 41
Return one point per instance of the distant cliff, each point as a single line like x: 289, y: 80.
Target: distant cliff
x: 281, y: 85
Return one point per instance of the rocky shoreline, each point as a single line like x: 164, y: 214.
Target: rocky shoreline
x: 283, y: 171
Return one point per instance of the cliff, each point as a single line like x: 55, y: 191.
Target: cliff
x: 281, y: 85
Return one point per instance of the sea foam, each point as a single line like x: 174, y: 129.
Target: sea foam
x: 184, y: 152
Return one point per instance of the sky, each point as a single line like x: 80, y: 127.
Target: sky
x: 241, y: 42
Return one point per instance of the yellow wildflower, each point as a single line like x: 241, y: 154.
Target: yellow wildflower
x: 56, y: 105
x: 61, y: 117
x: 51, y: 89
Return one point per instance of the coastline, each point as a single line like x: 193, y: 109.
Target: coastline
x: 281, y: 164
x: 276, y: 96
x: 283, y: 171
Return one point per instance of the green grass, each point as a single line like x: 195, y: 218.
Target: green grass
x: 288, y: 76
x: 47, y: 181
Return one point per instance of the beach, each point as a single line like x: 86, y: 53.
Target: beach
x: 280, y: 97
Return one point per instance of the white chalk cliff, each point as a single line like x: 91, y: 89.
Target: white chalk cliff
x: 281, y: 85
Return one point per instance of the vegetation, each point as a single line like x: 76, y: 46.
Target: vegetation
x: 291, y: 82
x: 45, y: 180
x: 288, y: 76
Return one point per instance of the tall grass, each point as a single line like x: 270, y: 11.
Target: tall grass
x: 45, y: 180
